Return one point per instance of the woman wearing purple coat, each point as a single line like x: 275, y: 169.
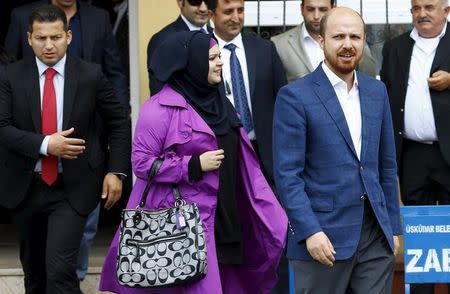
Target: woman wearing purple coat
x: 208, y: 155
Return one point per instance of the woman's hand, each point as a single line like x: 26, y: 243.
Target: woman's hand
x: 211, y: 160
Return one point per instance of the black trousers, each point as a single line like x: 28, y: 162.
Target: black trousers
x: 369, y: 270
x: 424, y: 180
x: 50, y: 233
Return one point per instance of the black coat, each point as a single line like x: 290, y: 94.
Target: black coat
x: 266, y: 76
x: 86, y: 92
x: 394, y: 73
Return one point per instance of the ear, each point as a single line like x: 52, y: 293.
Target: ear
x: 321, y: 41
x: 69, y: 37
x: 210, y: 14
x: 180, y: 3
x: 29, y: 38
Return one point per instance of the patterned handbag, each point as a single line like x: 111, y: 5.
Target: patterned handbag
x: 163, y: 247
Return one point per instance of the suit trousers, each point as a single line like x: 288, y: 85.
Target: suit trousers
x: 50, y: 232
x: 424, y: 180
x: 369, y: 270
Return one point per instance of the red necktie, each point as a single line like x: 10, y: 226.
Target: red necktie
x: 49, y: 126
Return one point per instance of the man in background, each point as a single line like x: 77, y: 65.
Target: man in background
x: 299, y: 48
x: 416, y: 71
x: 252, y: 75
x: 193, y: 16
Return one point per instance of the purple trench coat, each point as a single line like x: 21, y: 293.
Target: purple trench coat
x: 169, y: 127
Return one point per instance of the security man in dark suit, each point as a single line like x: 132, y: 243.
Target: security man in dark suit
x: 93, y: 41
x: 54, y: 166
x: 193, y: 16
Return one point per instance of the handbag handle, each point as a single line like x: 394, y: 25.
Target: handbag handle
x: 151, y: 174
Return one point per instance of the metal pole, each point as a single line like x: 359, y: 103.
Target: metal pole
x: 387, y: 19
x: 258, y: 29
x: 284, y: 15
x: 361, y: 7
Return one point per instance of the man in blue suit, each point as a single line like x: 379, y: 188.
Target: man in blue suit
x: 335, y: 169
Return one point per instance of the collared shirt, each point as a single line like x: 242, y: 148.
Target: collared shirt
x: 58, y: 84
x: 350, y: 104
x: 191, y: 26
x: 312, y: 47
x: 226, y: 71
x: 419, y: 118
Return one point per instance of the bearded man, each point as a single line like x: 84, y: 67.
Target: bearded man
x: 335, y: 169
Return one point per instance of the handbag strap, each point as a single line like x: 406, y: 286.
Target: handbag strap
x: 151, y: 174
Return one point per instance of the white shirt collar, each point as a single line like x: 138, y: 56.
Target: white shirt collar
x: 304, y: 34
x: 191, y: 26
x: 236, y: 41
x: 415, y: 34
x: 334, y: 79
x: 59, y: 66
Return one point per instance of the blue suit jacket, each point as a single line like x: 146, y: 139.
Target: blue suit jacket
x: 318, y: 175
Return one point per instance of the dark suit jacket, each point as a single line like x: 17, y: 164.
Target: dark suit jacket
x: 318, y: 175
x: 177, y: 26
x: 394, y: 73
x: 266, y: 76
x: 99, y: 45
x: 86, y: 92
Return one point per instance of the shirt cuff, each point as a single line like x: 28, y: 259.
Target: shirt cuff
x: 44, y: 146
x: 121, y: 176
x: 195, y: 169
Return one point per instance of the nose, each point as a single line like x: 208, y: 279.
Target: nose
x: 347, y: 42
x: 235, y: 16
x: 316, y: 14
x: 48, y: 44
x: 203, y: 7
x: 422, y: 12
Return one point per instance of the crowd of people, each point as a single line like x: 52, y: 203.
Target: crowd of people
x: 291, y: 148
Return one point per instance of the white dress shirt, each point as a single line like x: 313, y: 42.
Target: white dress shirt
x: 312, y: 47
x: 191, y: 26
x: 58, y: 84
x: 419, y: 117
x: 350, y: 104
x: 226, y: 71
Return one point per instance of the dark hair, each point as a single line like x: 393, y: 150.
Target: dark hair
x: 212, y: 4
x: 5, y: 58
x: 47, y: 13
x: 331, y: 3
x: 323, y: 22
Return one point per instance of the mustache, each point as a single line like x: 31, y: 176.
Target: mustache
x: 347, y: 52
x: 423, y: 19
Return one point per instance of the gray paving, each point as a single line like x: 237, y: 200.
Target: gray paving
x: 11, y: 275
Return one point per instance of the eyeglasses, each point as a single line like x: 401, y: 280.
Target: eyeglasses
x: 196, y: 2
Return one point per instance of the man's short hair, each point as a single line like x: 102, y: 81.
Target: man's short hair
x: 332, y: 2
x: 212, y: 4
x: 47, y: 13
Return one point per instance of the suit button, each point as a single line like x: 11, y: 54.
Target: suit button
x: 363, y: 197
x: 361, y: 168
x: 400, y: 133
x: 401, y: 110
